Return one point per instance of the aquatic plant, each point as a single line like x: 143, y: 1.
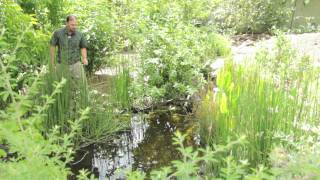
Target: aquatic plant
x: 260, y: 102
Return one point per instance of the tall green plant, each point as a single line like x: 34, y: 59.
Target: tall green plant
x: 74, y: 96
x: 102, y: 122
x: 23, y: 49
x: 30, y: 155
x: 260, y: 102
x: 120, y: 85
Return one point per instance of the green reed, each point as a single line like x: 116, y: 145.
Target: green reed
x: 120, y: 84
x: 74, y: 97
x: 260, y: 103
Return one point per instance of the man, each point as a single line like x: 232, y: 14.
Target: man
x: 70, y: 43
x: 72, y: 46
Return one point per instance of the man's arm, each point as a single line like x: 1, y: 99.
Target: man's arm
x: 84, y: 56
x: 52, y: 54
x: 53, y: 44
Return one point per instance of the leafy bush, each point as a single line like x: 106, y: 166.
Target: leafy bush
x: 172, y: 59
x: 173, y: 52
x: 300, y: 161
x: 96, y: 21
x: 49, y: 13
x: 252, y: 16
x: 23, y: 49
x: 18, y: 35
x: 29, y: 154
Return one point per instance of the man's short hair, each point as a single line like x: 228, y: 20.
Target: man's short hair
x: 71, y: 17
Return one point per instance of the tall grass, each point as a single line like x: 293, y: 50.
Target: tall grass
x: 74, y: 97
x: 260, y: 103
x: 120, y: 84
x: 60, y: 111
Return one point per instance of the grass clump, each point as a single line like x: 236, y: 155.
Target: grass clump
x: 74, y: 97
x: 273, y: 95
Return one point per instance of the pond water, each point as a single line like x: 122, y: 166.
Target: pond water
x: 146, y: 146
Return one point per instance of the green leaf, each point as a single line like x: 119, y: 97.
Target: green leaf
x: 306, y: 2
x: 2, y: 153
x: 224, y: 104
x: 4, y: 95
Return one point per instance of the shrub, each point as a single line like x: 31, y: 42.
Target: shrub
x: 23, y: 49
x: 172, y: 58
x: 252, y: 16
x: 29, y: 153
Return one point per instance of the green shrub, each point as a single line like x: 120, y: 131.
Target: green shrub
x: 23, y: 49
x: 49, y: 13
x: 172, y: 58
x: 252, y: 16
x: 30, y: 155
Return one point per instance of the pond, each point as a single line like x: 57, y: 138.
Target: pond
x: 146, y: 146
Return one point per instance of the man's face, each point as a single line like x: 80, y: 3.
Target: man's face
x: 72, y: 25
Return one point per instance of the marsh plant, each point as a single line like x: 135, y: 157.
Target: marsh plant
x: 74, y: 97
x: 119, y: 89
x: 25, y: 153
x: 260, y: 99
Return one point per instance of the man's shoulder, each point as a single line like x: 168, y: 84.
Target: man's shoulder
x: 59, y: 31
x: 79, y: 32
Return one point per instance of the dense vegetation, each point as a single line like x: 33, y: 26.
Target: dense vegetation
x: 261, y: 122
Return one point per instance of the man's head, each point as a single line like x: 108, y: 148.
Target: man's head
x: 71, y: 23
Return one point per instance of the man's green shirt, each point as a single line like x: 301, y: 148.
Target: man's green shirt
x: 68, y: 45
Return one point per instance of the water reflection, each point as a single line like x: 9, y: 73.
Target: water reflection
x: 146, y: 146
x: 120, y: 155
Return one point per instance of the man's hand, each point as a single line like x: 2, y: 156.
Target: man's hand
x: 52, y: 54
x: 84, y: 56
x: 85, y: 61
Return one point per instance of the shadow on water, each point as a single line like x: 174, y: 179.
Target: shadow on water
x: 146, y: 146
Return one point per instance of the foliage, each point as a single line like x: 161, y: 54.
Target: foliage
x: 74, y: 96
x: 252, y: 16
x: 30, y: 155
x: 96, y: 21
x: 173, y: 52
x: 189, y: 167
x: 300, y: 161
x: 49, y: 13
x: 30, y: 45
x: 260, y: 100
x: 23, y: 49
x: 174, y: 41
